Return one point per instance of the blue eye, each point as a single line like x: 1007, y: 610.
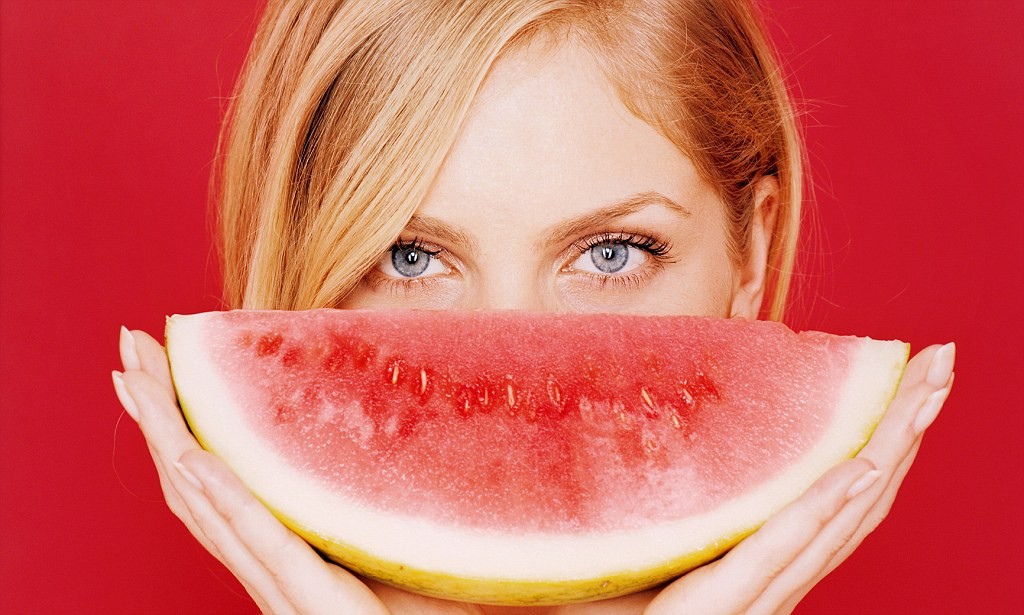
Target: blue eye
x: 411, y: 260
x: 609, y: 257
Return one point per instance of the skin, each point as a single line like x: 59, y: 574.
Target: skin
x: 510, y: 224
x: 548, y: 164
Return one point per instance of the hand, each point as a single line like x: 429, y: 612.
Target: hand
x: 278, y: 569
x: 773, y: 569
x: 769, y: 572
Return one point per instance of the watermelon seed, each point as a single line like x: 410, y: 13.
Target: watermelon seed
x: 647, y: 398
x: 686, y: 396
x: 423, y: 381
x: 511, y: 397
x: 554, y: 392
x: 394, y: 374
x: 650, y: 445
x: 675, y: 421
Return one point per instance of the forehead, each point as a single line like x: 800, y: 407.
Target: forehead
x: 548, y: 137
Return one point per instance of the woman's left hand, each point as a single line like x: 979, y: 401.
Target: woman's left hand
x: 772, y: 570
x: 775, y: 567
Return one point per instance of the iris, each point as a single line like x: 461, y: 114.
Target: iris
x: 409, y: 261
x: 609, y: 257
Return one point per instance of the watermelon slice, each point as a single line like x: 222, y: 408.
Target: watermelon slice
x: 524, y: 458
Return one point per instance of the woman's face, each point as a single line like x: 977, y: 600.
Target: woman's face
x: 556, y: 198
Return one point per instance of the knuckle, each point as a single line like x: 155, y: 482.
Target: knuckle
x: 178, y: 508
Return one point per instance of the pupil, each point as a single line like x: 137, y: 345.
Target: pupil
x: 609, y: 257
x: 408, y: 262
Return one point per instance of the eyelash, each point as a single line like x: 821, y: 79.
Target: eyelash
x: 657, y: 249
x: 396, y: 287
x: 416, y: 244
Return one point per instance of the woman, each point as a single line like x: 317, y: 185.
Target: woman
x: 572, y: 155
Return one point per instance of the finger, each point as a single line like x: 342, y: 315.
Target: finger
x: 834, y: 543
x: 302, y: 576
x: 159, y: 417
x: 937, y: 356
x: 878, y: 512
x: 917, y: 367
x: 175, y: 497
x: 212, y: 534
x: 153, y: 359
x: 126, y: 347
x: 161, y: 425
x: 171, y: 491
x: 733, y: 583
x: 221, y: 539
x: 894, y: 446
x: 895, y: 435
x: 932, y: 367
x: 168, y: 439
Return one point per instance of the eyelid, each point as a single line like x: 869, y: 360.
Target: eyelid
x: 434, y: 253
x: 658, y: 253
x: 417, y: 244
x: 655, y: 247
x: 646, y: 243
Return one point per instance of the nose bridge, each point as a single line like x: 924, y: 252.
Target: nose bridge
x: 511, y: 290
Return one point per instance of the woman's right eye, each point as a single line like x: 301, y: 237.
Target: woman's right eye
x: 411, y: 260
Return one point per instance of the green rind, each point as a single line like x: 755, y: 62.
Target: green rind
x: 514, y: 591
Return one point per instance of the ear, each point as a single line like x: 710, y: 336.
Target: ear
x: 752, y: 273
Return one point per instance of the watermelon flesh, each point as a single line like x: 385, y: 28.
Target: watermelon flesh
x: 521, y: 458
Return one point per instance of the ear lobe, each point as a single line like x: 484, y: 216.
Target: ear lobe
x: 753, y: 271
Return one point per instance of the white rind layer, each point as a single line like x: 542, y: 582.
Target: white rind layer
x: 463, y: 552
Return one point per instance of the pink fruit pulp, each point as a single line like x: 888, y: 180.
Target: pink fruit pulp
x: 530, y: 422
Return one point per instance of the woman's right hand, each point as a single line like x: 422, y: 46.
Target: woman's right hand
x: 278, y: 569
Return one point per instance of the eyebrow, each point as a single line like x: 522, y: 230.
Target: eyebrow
x: 565, y: 230
x: 434, y: 227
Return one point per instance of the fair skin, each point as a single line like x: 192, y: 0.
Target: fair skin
x: 553, y: 198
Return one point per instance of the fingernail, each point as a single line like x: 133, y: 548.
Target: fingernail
x: 189, y: 476
x: 124, y: 395
x: 863, y: 483
x: 129, y: 354
x: 929, y: 410
x: 942, y: 366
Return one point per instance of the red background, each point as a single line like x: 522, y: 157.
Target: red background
x: 109, y: 116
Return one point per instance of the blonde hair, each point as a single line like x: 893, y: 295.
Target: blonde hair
x: 346, y: 110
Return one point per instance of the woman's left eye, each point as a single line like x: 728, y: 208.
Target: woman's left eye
x: 410, y: 261
x: 610, y: 258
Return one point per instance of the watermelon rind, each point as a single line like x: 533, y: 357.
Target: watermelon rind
x: 484, y: 566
